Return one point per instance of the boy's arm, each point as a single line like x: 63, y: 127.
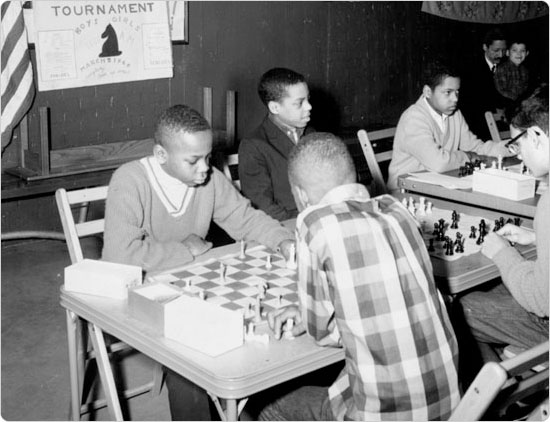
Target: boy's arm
x: 471, y: 143
x: 235, y: 214
x: 125, y: 241
x: 256, y: 180
x: 317, y: 309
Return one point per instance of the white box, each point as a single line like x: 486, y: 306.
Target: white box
x: 147, y: 302
x: 504, y: 183
x: 203, y: 326
x: 102, y: 278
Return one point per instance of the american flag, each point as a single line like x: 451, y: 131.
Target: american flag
x: 17, y: 78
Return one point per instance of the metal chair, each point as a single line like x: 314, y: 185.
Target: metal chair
x: 80, y: 356
x: 498, y: 385
x: 368, y: 143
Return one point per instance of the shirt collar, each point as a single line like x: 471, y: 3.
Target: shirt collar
x: 288, y: 130
x: 439, y: 118
x: 489, y: 62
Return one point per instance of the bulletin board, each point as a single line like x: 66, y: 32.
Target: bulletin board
x: 87, y: 43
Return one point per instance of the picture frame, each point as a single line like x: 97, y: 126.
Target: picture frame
x: 178, y: 18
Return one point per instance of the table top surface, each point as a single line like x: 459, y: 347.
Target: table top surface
x: 254, y: 366
x: 524, y: 208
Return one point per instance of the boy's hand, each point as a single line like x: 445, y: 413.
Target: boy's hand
x: 284, y: 247
x: 196, y: 245
x: 493, y: 244
x: 277, y: 318
x: 516, y: 234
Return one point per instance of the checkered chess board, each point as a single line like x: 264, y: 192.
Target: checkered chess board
x: 239, y: 289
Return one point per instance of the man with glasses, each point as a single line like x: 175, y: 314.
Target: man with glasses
x: 515, y: 312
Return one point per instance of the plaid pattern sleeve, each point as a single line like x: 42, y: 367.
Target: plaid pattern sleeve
x: 511, y: 81
x: 365, y: 281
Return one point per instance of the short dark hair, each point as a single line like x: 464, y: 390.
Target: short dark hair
x: 180, y: 117
x: 321, y: 151
x: 533, y: 111
x: 274, y: 82
x: 518, y: 39
x: 435, y: 73
x: 494, y: 34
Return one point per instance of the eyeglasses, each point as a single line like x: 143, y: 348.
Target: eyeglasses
x: 513, y: 144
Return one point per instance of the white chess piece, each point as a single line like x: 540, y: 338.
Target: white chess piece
x: 429, y: 206
x: 483, y: 166
x: 287, y: 329
x: 421, y: 206
x: 291, y: 263
x: 222, y: 273
x: 404, y: 202
x: 268, y: 265
x: 242, y: 254
x: 499, y: 158
x: 494, y: 164
x: 411, y: 208
x: 201, y: 295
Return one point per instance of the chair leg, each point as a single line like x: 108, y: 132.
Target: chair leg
x: 72, y: 328
x: 158, y: 379
x: 105, y: 372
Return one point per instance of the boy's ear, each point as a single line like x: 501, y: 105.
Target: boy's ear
x: 273, y: 107
x: 160, y: 153
x: 427, y: 91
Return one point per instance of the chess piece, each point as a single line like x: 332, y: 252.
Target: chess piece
x: 499, y: 158
x: 242, y: 254
x: 494, y: 164
x: 497, y: 225
x: 454, y: 224
x: 411, y: 208
x: 483, y: 166
x: 287, y: 329
x: 517, y: 221
x: 268, y: 265
x: 404, y: 202
x: 258, y: 311
x: 222, y: 273
x: 431, y: 247
x: 201, y: 295
x: 436, y: 228
x: 472, y: 232
x: 429, y: 207
x: 482, y: 227
x: 291, y: 263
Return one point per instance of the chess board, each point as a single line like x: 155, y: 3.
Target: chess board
x: 239, y: 289
x: 465, y: 222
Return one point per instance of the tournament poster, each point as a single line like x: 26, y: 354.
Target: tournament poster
x: 86, y: 43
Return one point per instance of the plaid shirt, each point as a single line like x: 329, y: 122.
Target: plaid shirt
x: 511, y: 81
x: 366, y: 283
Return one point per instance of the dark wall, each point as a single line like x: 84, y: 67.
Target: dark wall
x: 362, y: 61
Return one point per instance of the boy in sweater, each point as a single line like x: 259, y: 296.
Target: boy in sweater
x: 432, y: 133
x: 515, y: 312
x: 365, y: 283
x: 158, y: 212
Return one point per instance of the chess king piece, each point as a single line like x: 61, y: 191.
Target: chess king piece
x: 291, y: 263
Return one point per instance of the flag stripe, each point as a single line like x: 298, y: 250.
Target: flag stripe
x: 17, y: 75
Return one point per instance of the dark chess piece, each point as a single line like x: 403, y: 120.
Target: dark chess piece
x: 481, y: 238
x: 472, y: 232
x: 431, y: 247
x: 454, y: 217
x: 482, y: 227
x: 509, y: 221
x: 460, y: 246
x: 436, y: 228
x: 451, y: 247
x: 517, y: 221
x: 501, y: 220
x: 497, y: 225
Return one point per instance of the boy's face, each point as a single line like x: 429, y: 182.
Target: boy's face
x: 517, y: 53
x: 495, y: 52
x: 534, y: 150
x: 186, y: 156
x: 444, y: 98
x: 294, y: 108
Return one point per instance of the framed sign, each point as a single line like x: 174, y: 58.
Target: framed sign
x: 85, y: 43
x: 178, y: 18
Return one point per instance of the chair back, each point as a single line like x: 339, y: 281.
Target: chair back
x: 230, y: 169
x: 368, y: 143
x: 500, y: 384
x: 496, y: 135
x: 79, y: 200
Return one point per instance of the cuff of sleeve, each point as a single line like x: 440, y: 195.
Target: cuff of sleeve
x: 506, y: 259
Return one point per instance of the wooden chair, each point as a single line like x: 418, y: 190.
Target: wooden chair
x: 80, y: 356
x: 368, y: 143
x: 499, y: 385
x: 230, y: 169
x: 496, y: 135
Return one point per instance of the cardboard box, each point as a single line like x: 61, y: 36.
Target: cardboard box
x: 102, y: 278
x: 187, y: 319
x: 504, y: 183
x: 203, y: 326
x: 146, y: 302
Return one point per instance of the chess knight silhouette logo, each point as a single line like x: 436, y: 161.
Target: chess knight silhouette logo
x: 110, y: 46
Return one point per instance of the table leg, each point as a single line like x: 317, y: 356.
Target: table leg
x: 72, y: 322
x: 231, y: 410
x: 105, y: 371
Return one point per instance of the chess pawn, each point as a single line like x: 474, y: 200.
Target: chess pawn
x: 429, y: 207
x: 242, y: 254
x: 268, y: 265
x: 472, y: 232
x: 431, y: 247
x: 421, y: 207
x: 287, y: 329
x: 291, y: 263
